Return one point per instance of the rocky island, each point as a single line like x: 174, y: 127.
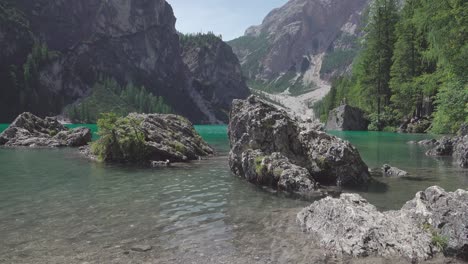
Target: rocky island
x: 29, y: 130
x: 150, y: 139
x: 270, y: 148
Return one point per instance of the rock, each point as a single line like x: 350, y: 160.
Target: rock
x: 416, y: 125
x: 347, y: 118
x: 160, y: 164
x: 444, y: 147
x: 350, y: 225
x: 269, y: 148
x: 388, y: 170
x: 463, y: 131
x: 455, y: 146
x: 446, y: 214
x: 168, y: 138
x: 277, y: 171
x: 427, y: 142
x: 461, y: 151
x: 141, y: 248
x: 29, y: 130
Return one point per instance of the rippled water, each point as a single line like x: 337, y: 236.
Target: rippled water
x: 56, y: 207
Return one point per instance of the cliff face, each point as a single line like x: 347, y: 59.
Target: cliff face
x: 216, y: 71
x: 131, y: 41
x: 297, y: 42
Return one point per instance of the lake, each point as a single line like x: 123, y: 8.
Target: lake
x: 58, y: 207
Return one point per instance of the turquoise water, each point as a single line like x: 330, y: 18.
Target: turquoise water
x: 57, y: 207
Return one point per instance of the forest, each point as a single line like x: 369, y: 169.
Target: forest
x: 110, y: 97
x: 413, y: 64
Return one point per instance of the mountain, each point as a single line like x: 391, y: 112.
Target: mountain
x: 301, y: 45
x: 216, y: 70
x: 55, y: 52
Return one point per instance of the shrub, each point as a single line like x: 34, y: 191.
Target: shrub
x: 120, y: 139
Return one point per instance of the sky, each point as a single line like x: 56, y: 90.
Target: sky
x: 230, y: 18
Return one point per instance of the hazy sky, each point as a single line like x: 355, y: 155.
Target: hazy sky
x: 229, y: 18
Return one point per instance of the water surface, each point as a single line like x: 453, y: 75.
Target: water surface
x: 56, y: 207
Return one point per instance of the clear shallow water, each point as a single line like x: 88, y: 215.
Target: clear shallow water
x: 56, y: 207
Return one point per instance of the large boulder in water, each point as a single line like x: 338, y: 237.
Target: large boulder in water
x: 455, y: 146
x: 29, y: 130
x: 434, y: 221
x: 149, y: 138
x: 347, y: 118
x: 268, y: 147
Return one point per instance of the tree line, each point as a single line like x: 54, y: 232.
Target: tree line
x: 110, y: 97
x: 413, y: 63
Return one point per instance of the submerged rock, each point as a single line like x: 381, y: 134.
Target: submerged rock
x: 270, y: 148
x: 347, y: 118
x: 388, y: 170
x: 29, y: 130
x: 167, y: 138
x: 427, y: 142
x: 141, y: 248
x: 434, y: 221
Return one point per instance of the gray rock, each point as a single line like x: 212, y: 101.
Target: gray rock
x: 455, y: 146
x: 29, y: 130
x: 160, y: 164
x: 167, y: 138
x: 445, y: 214
x: 461, y: 151
x: 347, y: 118
x: 350, y: 225
x: 444, y: 147
x: 390, y: 171
x: 141, y: 248
x: 260, y: 132
x: 427, y: 142
x: 463, y: 131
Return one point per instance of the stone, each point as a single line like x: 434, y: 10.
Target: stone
x: 347, y: 118
x: 351, y: 225
x: 427, y: 142
x: 416, y: 125
x: 390, y: 171
x: 463, y: 131
x: 160, y: 164
x: 29, y: 130
x: 270, y: 148
x: 445, y: 214
x: 461, y: 151
x: 444, y: 147
x: 141, y: 248
x: 168, y: 138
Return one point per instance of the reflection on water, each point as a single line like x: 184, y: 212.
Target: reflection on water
x: 56, y: 207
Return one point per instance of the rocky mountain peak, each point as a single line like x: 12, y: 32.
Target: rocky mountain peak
x: 295, y: 40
